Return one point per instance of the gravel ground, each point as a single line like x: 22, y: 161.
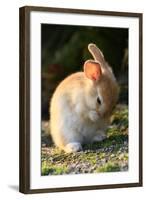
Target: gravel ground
x: 110, y: 155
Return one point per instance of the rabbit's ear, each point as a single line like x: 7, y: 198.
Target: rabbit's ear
x: 92, y: 70
x: 96, y: 53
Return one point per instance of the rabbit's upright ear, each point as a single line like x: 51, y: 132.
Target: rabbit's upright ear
x: 92, y: 70
x: 96, y: 53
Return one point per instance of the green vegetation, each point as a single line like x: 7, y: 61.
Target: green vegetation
x: 109, y: 155
x: 109, y: 167
x: 50, y: 169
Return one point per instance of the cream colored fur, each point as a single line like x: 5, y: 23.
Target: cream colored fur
x: 75, y: 116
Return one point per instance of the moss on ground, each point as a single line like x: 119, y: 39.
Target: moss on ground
x: 110, y: 155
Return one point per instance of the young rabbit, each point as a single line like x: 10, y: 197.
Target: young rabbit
x: 82, y: 103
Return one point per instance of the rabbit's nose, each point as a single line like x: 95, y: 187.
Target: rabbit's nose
x: 98, y: 113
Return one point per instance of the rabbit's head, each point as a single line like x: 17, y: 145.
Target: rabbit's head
x: 103, y: 88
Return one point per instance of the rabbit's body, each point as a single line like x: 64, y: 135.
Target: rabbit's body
x: 81, y: 106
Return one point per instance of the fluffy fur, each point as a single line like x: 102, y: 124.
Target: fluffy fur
x: 82, y: 103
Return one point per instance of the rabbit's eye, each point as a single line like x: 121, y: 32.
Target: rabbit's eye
x: 98, y: 101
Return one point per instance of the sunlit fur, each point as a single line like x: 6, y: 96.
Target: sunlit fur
x: 75, y: 115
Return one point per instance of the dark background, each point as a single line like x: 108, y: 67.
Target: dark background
x: 64, y: 51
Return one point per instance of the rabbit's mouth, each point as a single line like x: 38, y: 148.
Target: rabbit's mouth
x: 102, y: 114
x: 99, y: 112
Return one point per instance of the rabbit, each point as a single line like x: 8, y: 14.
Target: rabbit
x: 82, y: 103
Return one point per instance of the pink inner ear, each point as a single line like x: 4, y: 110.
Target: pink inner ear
x: 92, y: 70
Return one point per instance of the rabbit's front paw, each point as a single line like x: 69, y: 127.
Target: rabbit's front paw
x: 100, y: 137
x: 73, y: 147
x: 93, y: 116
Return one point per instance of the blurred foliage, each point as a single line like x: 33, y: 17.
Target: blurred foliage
x: 64, y: 51
x: 67, y: 45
